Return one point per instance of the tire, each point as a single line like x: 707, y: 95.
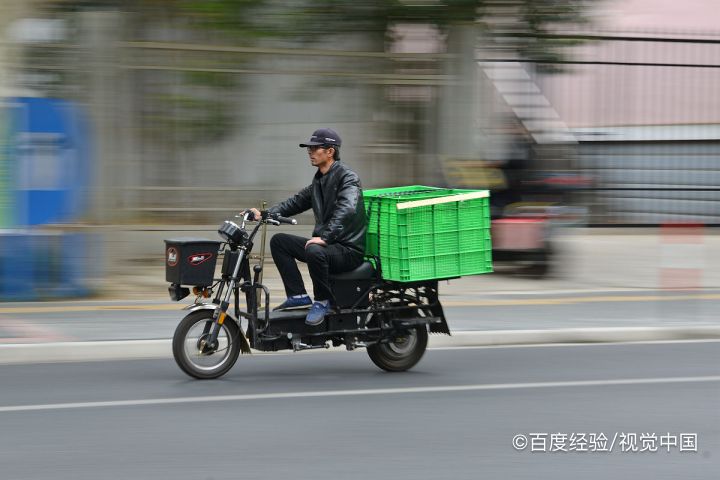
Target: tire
x: 538, y: 270
x: 210, y: 364
x: 541, y: 267
x: 402, y: 354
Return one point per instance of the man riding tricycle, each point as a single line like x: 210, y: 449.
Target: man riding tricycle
x: 375, y: 258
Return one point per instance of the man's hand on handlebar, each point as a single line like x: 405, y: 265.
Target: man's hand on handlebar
x: 255, y: 214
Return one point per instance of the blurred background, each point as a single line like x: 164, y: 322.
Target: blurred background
x: 594, y: 123
x: 126, y: 122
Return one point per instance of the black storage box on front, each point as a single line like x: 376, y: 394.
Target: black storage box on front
x: 191, y: 261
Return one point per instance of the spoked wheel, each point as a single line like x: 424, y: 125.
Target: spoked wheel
x: 402, y: 353
x: 195, y: 356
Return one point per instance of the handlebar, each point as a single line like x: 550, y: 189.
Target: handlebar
x: 280, y: 219
x: 271, y: 218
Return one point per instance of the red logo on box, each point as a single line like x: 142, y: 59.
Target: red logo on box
x: 198, y: 258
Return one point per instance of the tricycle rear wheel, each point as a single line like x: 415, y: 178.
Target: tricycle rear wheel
x: 402, y: 353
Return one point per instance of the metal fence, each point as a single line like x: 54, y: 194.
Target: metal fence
x: 646, y: 110
x: 187, y: 132
x: 190, y: 131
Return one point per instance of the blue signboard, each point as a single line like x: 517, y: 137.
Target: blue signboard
x: 51, y: 161
x: 5, y: 180
x: 44, y: 179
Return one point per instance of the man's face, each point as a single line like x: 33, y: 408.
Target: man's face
x: 320, y: 156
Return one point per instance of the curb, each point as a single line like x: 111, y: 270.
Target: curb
x: 13, y: 354
x: 574, y: 335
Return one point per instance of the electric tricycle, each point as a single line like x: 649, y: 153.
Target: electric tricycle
x: 390, y: 319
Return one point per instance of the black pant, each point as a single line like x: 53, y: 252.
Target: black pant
x: 322, y: 261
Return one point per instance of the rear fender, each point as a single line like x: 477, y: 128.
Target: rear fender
x: 437, y: 311
x: 440, y: 326
x: 429, y: 311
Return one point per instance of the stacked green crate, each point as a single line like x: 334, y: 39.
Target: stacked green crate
x: 423, y: 233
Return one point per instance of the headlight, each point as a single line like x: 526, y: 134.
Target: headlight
x: 232, y: 233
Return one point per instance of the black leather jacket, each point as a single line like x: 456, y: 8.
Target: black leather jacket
x: 337, y: 202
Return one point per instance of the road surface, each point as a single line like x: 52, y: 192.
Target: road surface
x: 329, y: 415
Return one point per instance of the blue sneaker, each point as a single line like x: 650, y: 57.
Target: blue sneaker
x: 317, y: 313
x: 293, y: 303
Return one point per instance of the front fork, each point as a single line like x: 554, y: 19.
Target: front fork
x: 220, y: 314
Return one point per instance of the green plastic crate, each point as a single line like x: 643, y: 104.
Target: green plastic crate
x: 425, y: 233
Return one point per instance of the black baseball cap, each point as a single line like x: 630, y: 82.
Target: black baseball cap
x: 323, y: 136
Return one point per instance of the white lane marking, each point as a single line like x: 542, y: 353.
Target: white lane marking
x: 349, y: 393
x: 580, y: 345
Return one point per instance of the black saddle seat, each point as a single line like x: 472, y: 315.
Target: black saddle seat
x: 365, y: 271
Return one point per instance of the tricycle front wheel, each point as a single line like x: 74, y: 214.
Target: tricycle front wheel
x: 195, y: 356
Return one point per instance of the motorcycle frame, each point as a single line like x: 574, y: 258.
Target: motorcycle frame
x: 412, y: 297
